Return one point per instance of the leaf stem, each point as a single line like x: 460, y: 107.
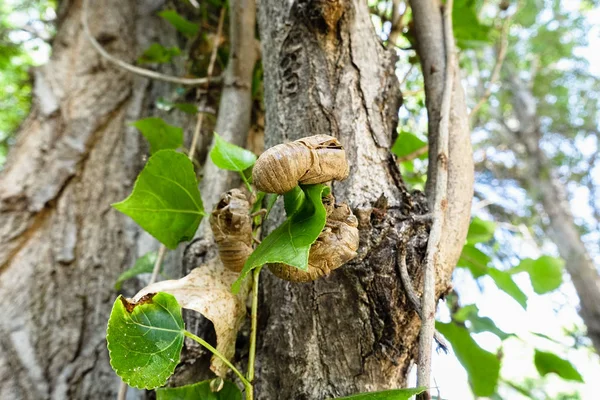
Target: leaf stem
x: 254, y: 323
x: 246, y: 182
x: 216, y: 352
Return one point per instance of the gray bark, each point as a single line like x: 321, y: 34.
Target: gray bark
x: 61, y: 244
x: 326, y: 72
x: 553, y: 196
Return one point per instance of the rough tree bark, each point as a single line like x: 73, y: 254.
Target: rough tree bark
x: 326, y: 72
x: 61, y: 244
x: 540, y: 178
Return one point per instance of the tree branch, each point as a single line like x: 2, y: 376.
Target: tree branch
x: 426, y: 11
x: 495, y: 72
x: 132, y: 68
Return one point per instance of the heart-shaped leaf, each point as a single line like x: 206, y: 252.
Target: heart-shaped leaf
x: 184, y: 26
x: 545, y: 273
x: 547, y: 363
x: 200, y: 391
x: 143, y: 265
x: 290, y: 242
x: 482, y: 366
x: 395, y: 394
x: 231, y: 157
x: 207, y: 290
x: 145, y: 339
x: 165, y: 200
x: 159, y: 134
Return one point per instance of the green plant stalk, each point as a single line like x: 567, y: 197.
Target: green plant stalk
x: 246, y: 182
x: 254, y: 323
x: 216, y: 352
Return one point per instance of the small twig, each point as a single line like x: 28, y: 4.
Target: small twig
x: 162, y: 252
x: 254, y: 323
x: 408, y: 93
x: 413, y: 299
x: 495, y: 72
x: 209, y: 71
x: 132, y: 68
x: 406, y: 75
x: 415, y: 154
x: 397, y: 21
x: 439, y: 211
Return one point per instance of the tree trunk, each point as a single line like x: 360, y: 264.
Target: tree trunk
x: 326, y: 72
x: 553, y: 196
x: 62, y: 246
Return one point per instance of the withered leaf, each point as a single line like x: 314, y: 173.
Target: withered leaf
x: 307, y: 161
x: 232, y: 228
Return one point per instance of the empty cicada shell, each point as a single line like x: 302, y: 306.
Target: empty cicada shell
x: 335, y: 246
x: 232, y: 227
x: 310, y: 160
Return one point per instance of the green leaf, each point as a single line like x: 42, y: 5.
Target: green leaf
x: 200, y: 391
x: 505, y: 283
x: 145, y: 339
x: 157, y: 53
x: 231, y: 157
x: 165, y: 200
x: 395, y: 394
x: 468, y: 31
x: 293, y: 200
x: 547, y: 363
x: 474, y: 259
x: 478, y: 324
x: 546, y: 273
x: 482, y: 366
x: 188, y: 108
x: 159, y: 134
x: 407, y: 143
x: 480, y: 231
x: 184, y: 26
x: 290, y: 242
x: 143, y: 265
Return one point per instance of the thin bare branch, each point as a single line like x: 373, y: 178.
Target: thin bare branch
x: 209, y: 72
x: 415, y: 154
x: 397, y: 21
x: 439, y: 212
x: 132, y: 68
x: 412, y: 297
x: 503, y: 45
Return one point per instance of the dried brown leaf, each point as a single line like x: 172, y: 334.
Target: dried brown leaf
x: 207, y: 290
x: 310, y: 160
